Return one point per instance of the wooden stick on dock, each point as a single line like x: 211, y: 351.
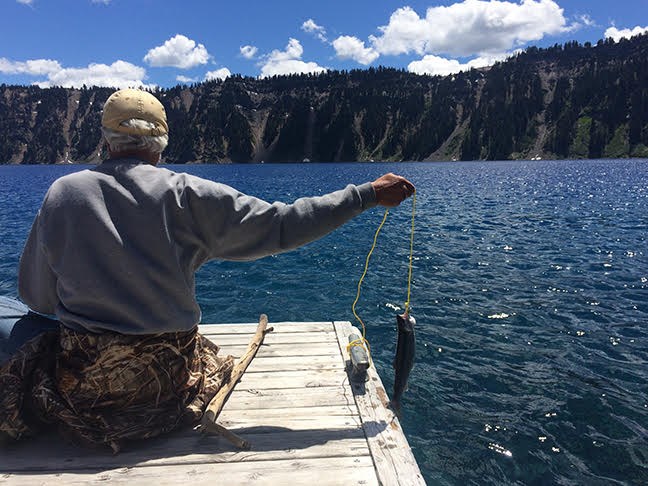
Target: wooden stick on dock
x: 218, y: 402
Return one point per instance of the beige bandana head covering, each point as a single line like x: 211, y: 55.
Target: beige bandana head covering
x: 134, y: 103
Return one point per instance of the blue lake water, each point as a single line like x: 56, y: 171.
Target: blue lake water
x: 530, y: 291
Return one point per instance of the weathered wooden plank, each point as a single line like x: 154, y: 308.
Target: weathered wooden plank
x: 278, y: 327
x: 264, y: 414
x: 282, y: 350
x: 308, y: 349
x: 294, y: 363
x: 292, y: 379
x: 290, y: 421
x: 395, y: 463
x: 293, y: 397
x: 274, y: 338
x: 340, y: 471
x: 50, y: 454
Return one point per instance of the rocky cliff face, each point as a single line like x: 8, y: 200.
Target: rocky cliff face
x: 568, y: 101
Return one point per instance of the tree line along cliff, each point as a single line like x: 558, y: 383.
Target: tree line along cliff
x: 566, y: 101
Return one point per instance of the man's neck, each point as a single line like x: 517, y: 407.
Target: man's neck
x: 144, y: 155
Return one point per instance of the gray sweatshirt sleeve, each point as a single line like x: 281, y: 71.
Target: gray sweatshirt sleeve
x: 235, y: 226
x: 36, y: 281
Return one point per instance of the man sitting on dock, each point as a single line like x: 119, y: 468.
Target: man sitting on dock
x: 112, y: 254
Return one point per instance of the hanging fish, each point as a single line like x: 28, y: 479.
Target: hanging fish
x: 404, y: 359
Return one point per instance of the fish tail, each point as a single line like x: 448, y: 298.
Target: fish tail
x: 395, y: 405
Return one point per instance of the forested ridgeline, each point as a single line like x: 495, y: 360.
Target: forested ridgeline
x: 567, y: 101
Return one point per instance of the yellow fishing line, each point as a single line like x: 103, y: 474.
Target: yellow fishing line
x: 363, y: 340
x: 411, y: 256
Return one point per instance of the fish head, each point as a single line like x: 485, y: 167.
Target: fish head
x: 406, y: 322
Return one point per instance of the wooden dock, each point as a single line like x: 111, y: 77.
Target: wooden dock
x: 306, y: 421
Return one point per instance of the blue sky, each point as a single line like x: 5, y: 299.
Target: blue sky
x: 162, y: 43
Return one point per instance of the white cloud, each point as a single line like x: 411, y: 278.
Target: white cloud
x: 105, y: 2
x: 587, y: 20
x: 120, y: 74
x: 185, y: 79
x: 311, y: 27
x: 248, y: 52
x: 435, y: 65
x: 278, y: 62
x: 294, y: 50
x: 618, y: 34
x: 348, y: 47
x: 470, y: 27
x: 34, y: 67
x: 221, y: 73
x: 26, y: 2
x: 179, y: 51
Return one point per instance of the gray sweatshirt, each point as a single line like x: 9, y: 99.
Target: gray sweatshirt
x: 116, y: 248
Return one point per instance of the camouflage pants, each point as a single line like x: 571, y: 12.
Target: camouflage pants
x: 109, y: 388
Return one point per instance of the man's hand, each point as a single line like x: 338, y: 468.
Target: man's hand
x: 391, y: 190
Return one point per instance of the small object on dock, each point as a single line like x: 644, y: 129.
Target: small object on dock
x: 217, y: 403
x: 214, y: 428
x: 359, y: 356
